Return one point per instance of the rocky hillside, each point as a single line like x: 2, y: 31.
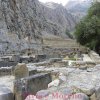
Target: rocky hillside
x: 24, y: 20
x: 78, y: 7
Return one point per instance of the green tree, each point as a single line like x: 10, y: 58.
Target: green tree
x: 88, y: 30
x: 69, y: 34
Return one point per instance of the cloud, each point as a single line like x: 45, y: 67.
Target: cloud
x: 64, y: 2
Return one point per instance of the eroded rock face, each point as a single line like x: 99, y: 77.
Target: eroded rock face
x: 20, y: 19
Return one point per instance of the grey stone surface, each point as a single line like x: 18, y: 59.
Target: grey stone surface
x: 38, y: 82
x: 79, y: 96
x: 42, y: 93
x: 67, y: 91
x: 7, y: 64
x: 6, y: 94
x: 98, y: 93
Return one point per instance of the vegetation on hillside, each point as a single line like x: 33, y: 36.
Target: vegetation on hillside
x: 88, y: 30
x: 69, y: 34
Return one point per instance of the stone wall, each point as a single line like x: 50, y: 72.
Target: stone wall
x: 58, y: 46
x: 7, y: 64
x: 60, y: 42
x: 5, y: 71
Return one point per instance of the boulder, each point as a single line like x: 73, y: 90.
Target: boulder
x: 42, y: 93
x: 97, y: 67
x: 55, y: 83
x: 62, y: 77
x: 93, y: 97
x: 67, y: 91
x: 6, y: 94
x: 98, y: 94
x: 79, y: 96
x: 38, y: 82
x: 31, y: 97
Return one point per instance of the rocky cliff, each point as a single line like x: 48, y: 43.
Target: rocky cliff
x: 25, y: 21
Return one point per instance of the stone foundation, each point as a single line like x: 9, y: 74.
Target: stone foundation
x: 5, y: 71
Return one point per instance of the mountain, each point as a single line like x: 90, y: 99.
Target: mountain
x: 78, y: 8
x: 24, y: 20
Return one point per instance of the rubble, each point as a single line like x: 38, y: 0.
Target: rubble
x: 67, y: 77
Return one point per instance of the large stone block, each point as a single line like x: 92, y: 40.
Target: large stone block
x: 42, y: 93
x: 79, y: 96
x: 98, y: 94
x: 95, y: 57
x: 6, y: 94
x: 21, y: 71
x: 31, y: 85
x: 38, y: 82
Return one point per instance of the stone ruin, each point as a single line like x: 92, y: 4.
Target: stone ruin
x: 28, y: 84
x: 5, y: 71
x: 68, y: 76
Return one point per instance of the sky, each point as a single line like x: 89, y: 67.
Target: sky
x: 64, y: 2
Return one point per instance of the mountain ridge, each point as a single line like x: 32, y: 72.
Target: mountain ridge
x: 78, y: 8
x: 21, y: 20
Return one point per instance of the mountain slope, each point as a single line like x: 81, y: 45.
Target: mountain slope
x: 21, y: 19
